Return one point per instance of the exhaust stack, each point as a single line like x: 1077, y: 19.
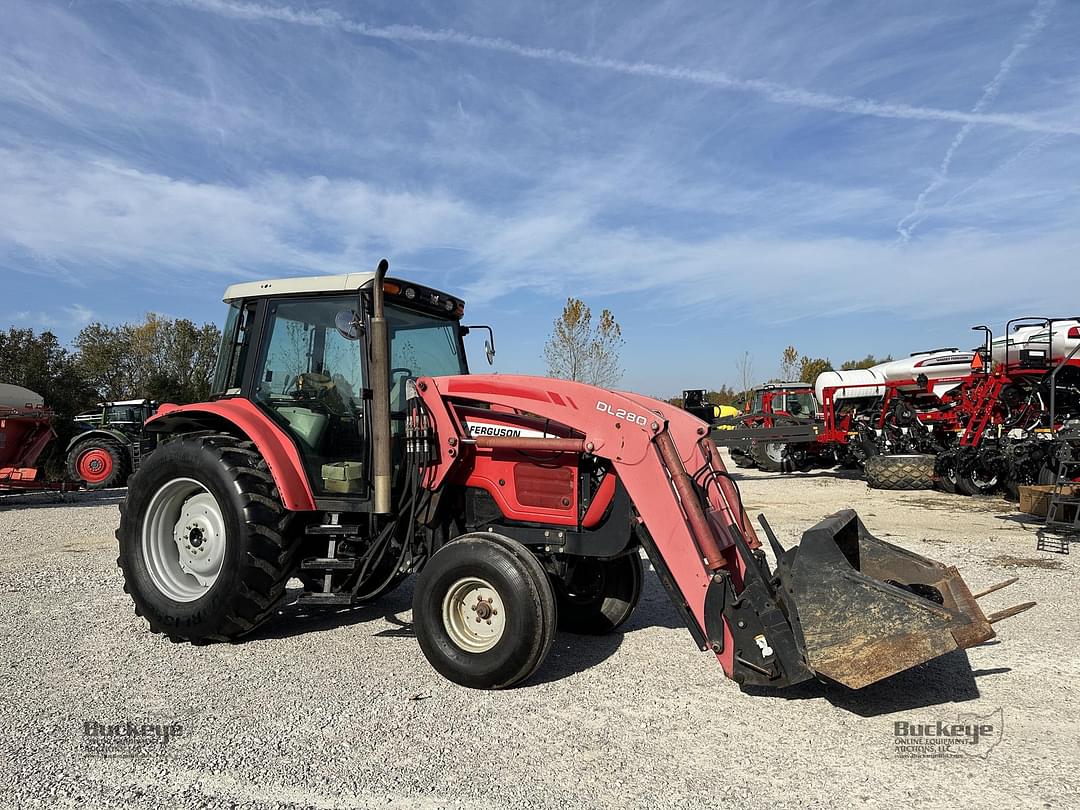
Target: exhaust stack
x: 380, y: 396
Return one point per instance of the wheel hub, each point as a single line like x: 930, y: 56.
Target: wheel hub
x: 483, y: 609
x: 197, y: 534
x: 184, y: 540
x: 94, y: 465
x: 473, y: 615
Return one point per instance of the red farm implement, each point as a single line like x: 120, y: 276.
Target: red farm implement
x: 997, y: 416
x: 25, y: 432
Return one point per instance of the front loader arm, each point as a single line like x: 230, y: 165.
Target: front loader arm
x: 842, y: 605
x: 653, y: 448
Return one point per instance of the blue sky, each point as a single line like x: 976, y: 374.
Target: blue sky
x: 726, y: 177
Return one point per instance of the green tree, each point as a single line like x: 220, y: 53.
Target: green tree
x: 810, y: 368
x: 40, y: 363
x: 159, y: 358
x: 724, y: 396
x: 580, y: 351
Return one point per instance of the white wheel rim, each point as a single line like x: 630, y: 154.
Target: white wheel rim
x: 473, y: 615
x: 183, y: 540
x: 775, y: 452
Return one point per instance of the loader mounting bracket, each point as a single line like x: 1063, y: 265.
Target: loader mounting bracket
x: 766, y: 651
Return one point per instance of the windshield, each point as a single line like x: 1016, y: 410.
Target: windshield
x: 799, y: 404
x: 423, y: 346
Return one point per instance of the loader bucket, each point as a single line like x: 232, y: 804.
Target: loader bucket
x: 868, y: 609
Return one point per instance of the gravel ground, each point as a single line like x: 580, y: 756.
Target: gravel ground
x: 345, y: 712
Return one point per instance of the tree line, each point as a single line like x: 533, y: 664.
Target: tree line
x: 164, y: 359
x: 159, y: 358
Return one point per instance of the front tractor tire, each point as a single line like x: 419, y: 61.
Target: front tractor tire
x: 599, y: 595
x: 770, y: 456
x: 99, y: 463
x: 202, y: 547
x: 484, y: 612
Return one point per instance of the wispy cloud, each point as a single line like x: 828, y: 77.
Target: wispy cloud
x: 1035, y: 24
x: 672, y: 161
x: 1031, y: 150
x: 79, y: 315
x: 770, y: 91
x: 104, y: 214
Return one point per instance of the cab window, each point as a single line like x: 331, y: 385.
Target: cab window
x: 310, y: 378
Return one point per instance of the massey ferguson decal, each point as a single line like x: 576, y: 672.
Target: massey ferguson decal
x: 486, y: 429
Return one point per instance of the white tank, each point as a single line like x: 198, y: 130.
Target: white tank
x: 19, y: 398
x: 1066, y: 338
x: 870, y: 382
x: 866, y: 381
x: 935, y: 365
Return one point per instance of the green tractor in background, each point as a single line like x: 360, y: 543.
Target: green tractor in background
x: 110, y: 442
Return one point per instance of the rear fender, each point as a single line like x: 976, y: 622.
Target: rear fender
x: 242, y: 417
x: 98, y: 433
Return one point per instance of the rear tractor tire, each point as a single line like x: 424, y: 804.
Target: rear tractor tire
x: 99, y: 464
x: 202, y: 544
x: 599, y: 595
x: 484, y: 611
x: 908, y: 472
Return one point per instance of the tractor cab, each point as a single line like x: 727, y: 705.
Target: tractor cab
x: 786, y: 398
x: 127, y: 415
x: 300, y: 350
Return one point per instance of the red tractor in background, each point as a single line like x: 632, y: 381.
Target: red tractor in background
x: 25, y: 432
x: 348, y: 445
x: 777, y: 409
x: 1001, y: 421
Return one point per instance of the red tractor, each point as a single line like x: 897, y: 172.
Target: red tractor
x: 348, y: 446
x: 780, y: 412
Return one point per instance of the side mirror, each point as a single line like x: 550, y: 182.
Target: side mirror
x: 348, y: 324
x: 489, y: 344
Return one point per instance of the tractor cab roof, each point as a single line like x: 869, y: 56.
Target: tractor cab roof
x: 298, y: 285
x: 783, y: 386
x: 411, y: 295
